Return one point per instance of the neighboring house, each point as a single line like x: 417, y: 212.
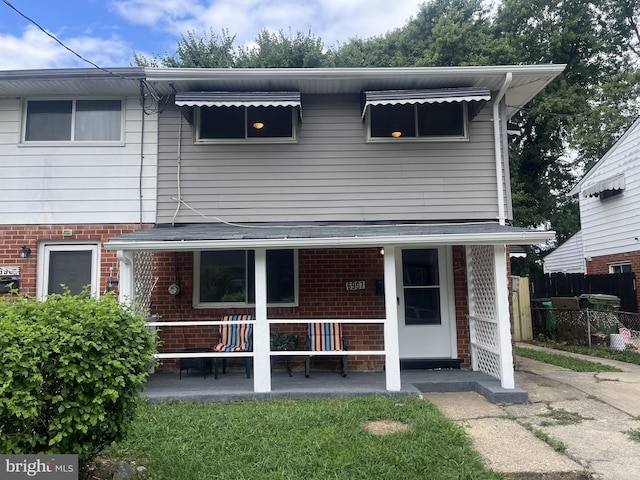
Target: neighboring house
x: 78, y: 166
x: 609, y: 195
x: 376, y: 198
x: 567, y: 258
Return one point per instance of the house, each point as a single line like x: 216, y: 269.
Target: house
x: 609, y: 195
x: 567, y: 258
x: 378, y: 199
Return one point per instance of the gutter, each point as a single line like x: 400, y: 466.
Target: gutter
x: 498, y: 147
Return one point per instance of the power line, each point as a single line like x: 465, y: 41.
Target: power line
x: 8, y: 4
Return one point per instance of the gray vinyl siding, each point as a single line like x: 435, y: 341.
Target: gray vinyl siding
x: 330, y: 174
x: 77, y: 183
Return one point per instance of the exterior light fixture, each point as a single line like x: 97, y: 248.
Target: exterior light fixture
x: 396, y: 134
x: 258, y: 125
x: 24, y: 252
x: 381, y: 250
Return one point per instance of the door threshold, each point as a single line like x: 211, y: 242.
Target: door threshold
x: 430, y: 363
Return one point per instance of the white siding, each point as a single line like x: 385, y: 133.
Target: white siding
x: 331, y: 174
x: 567, y: 258
x: 612, y: 225
x: 77, y: 183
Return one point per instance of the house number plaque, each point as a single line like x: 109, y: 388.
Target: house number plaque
x: 9, y: 270
x: 359, y: 285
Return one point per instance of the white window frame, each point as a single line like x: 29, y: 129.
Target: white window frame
x: 196, y: 303
x: 246, y: 139
x: 72, y: 141
x: 44, y: 250
x: 619, y: 266
x: 447, y: 138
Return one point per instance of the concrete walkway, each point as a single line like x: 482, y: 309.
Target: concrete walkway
x: 588, y: 413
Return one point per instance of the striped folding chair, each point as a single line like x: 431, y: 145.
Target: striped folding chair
x: 234, y: 337
x: 326, y: 337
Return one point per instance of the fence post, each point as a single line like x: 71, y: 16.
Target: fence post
x: 588, y: 328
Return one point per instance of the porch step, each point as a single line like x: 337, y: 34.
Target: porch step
x: 430, y: 363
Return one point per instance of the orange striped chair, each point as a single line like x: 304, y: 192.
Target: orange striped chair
x: 326, y: 337
x: 234, y: 337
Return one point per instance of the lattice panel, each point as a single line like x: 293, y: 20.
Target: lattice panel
x: 482, y: 281
x: 485, y: 334
x: 144, y: 280
x: 489, y: 363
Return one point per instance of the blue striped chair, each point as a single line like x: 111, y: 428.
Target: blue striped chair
x: 234, y: 337
x: 326, y: 337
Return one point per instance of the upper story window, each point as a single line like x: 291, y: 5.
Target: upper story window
x: 420, y: 115
x: 245, y: 124
x: 241, y: 117
x: 73, y: 121
x: 227, y: 278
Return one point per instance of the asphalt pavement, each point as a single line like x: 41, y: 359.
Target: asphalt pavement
x: 588, y: 416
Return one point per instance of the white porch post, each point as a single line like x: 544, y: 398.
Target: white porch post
x: 503, y: 317
x: 391, y: 342
x: 261, y: 359
x: 126, y: 284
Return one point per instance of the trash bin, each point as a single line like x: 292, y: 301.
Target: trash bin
x: 599, y: 301
x: 550, y: 317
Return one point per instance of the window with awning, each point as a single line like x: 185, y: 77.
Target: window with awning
x: 605, y: 188
x: 241, y: 116
x: 434, y: 114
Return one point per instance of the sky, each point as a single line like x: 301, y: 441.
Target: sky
x: 108, y: 32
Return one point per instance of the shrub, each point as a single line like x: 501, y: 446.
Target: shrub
x: 72, y: 370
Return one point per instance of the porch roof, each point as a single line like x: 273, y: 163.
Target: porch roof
x: 210, y: 236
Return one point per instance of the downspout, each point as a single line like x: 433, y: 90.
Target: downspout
x: 498, y: 147
x: 141, y: 153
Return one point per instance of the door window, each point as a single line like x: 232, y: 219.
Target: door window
x: 421, y: 284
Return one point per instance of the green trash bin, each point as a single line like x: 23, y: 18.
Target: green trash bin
x: 599, y: 301
x: 550, y: 317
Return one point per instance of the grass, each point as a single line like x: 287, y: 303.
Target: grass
x: 565, y: 361
x: 562, y: 417
x: 602, y: 351
x: 310, y: 439
x: 557, y: 445
x: 634, y: 435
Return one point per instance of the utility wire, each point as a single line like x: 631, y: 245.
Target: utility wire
x: 8, y: 4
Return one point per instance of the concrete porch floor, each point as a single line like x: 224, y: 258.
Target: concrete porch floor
x: 235, y: 386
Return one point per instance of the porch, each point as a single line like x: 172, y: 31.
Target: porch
x: 195, y: 387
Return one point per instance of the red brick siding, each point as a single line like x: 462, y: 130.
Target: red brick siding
x: 14, y: 236
x: 600, y: 265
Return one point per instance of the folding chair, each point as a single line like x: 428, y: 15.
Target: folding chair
x: 234, y: 337
x: 326, y: 337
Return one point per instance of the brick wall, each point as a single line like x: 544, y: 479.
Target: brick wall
x: 13, y: 237
x: 600, y: 265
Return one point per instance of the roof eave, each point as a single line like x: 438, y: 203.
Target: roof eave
x: 531, y: 237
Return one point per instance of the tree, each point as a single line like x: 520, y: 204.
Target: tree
x: 283, y: 51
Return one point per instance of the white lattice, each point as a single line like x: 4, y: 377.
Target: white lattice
x: 489, y: 362
x: 482, y: 295
x: 485, y: 334
x: 144, y: 280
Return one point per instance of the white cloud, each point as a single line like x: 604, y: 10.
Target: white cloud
x: 332, y: 20
x: 34, y: 49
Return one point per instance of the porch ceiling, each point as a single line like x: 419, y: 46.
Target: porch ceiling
x: 212, y: 236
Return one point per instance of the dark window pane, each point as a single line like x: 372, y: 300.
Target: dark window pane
x: 422, y: 306
x: 222, y: 122
x: 420, y: 267
x: 72, y: 269
x: 386, y: 119
x: 269, y: 122
x: 223, y: 276
x: 280, y: 276
x: 48, y: 120
x: 441, y: 120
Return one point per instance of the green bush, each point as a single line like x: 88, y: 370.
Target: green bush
x: 72, y: 371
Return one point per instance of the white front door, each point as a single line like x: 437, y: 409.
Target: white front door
x: 426, y: 323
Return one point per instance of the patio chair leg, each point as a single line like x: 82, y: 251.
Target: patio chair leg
x: 307, y: 362
x: 343, y: 366
x: 247, y: 366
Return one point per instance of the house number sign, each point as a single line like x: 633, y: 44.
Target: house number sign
x: 9, y: 270
x: 359, y: 285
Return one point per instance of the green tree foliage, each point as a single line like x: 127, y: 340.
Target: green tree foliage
x: 72, y: 369
x: 283, y: 51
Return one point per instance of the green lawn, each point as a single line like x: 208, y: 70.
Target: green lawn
x: 302, y: 439
x: 565, y: 361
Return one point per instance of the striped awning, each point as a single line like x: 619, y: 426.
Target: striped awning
x: 238, y: 99
x: 441, y: 95
x: 617, y: 182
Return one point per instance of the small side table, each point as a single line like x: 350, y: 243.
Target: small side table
x: 198, y: 363
x: 281, y: 341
